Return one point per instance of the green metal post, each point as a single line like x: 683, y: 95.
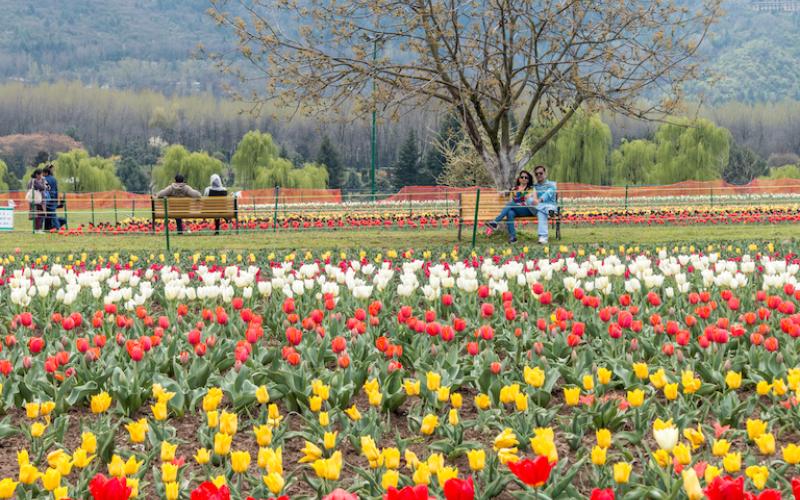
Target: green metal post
x: 711, y: 196
x: 446, y: 204
x: 66, y: 216
x: 253, y: 201
x: 166, y: 223
x: 373, y: 141
x: 116, y: 215
x: 275, y: 215
x: 91, y: 198
x: 475, y: 220
x: 626, y: 198
x: 133, y: 208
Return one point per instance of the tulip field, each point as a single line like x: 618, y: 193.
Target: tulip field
x: 662, y: 372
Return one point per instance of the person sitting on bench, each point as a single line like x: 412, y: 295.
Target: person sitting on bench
x: 178, y: 189
x: 215, y: 189
x: 528, y: 199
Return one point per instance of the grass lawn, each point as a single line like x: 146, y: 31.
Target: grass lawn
x: 391, y: 238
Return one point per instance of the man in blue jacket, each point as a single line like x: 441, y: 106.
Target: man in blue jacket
x: 51, y: 220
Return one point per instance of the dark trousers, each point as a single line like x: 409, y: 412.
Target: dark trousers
x: 179, y: 225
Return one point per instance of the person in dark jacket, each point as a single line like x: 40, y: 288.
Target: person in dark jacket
x: 178, y: 189
x: 51, y: 203
x: 216, y: 189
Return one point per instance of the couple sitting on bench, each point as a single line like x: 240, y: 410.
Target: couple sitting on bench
x: 529, y: 199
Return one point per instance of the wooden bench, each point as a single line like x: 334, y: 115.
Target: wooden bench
x: 489, y: 207
x: 209, y: 207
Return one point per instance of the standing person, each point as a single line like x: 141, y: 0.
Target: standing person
x: 178, y: 189
x: 51, y: 204
x: 215, y: 189
x: 519, y: 205
x: 35, y: 195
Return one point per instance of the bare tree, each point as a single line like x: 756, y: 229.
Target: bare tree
x: 501, y: 65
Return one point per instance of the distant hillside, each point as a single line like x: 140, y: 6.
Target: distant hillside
x: 119, y: 43
x: 136, y: 44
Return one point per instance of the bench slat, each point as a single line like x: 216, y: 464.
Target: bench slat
x: 213, y: 207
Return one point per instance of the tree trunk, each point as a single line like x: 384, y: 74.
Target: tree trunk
x: 503, y: 166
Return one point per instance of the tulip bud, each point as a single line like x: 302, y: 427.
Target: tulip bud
x: 634, y: 344
x: 237, y: 366
x: 184, y: 357
x: 27, y: 362
x: 727, y: 366
x: 679, y: 356
x: 779, y: 358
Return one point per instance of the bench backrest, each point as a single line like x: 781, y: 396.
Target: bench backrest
x: 196, y: 208
x: 491, y: 203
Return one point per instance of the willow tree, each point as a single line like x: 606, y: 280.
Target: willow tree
x: 77, y: 172
x: 690, y: 150
x: 500, y: 65
x: 633, y: 161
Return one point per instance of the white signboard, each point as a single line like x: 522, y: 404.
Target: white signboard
x: 6, y: 218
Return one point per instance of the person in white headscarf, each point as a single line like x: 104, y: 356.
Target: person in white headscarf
x: 215, y: 189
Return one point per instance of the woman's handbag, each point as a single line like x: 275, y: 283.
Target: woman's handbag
x: 33, y: 196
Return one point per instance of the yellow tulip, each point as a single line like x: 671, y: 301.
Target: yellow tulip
x: 766, y: 443
x: 51, y: 479
x: 598, y: 455
x: 733, y: 379
x: 81, y: 459
x: 212, y: 419
x: 89, y: 442
x: 353, y: 413
x: 763, y: 387
x: 641, y: 370
x: 390, y: 479
x: 422, y: 474
x: 212, y: 399
x: 588, y: 382
x: 432, y: 381
x: 720, y: 448
x: 435, y: 462
x: 45, y: 408
x: 32, y: 410
x: 534, y: 377
x: 604, y: 375
x: 508, y: 393
x: 412, y: 386
x: 732, y: 462
x: 506, y: 439
x: 100, y: 402
x: 262, y: 395
x: 159, y: 411
x: 671, y: 391
x: 324, y: 419
x: 202, y: 456
x: 375, y: 398
x: 572, y: 395
x: 60, y: 493
x: 240, y: 461
x: 429, y: 424
x: 778, y: 387
x: 329, y: 468
x: 274, y: 482
x: 691, y: 484
x: 662, y: 457
x: 132, y: 465
x: 482, y: 401
x: 168, y: 451
x: 791, y: 454
x: 603, y: 438
x: 711, y: 472
x: 169, y: 472
x: 37, y: 429
x: 521, y: 402
x: 222, y: 443
x: 456, y: 400
x: 444, y: 474
x: 755, y: 428
x: 477, y: 459
x: 635, y: 398
x: 758, y: 474
x: 263, y: 435
x: 659, y: 379
x: 137, y: 430
x: 682, y: 454
x: 315, y: 403
x: 370, y: 450
x: 695, y: 436
x: 228, y: 423
x: 391, y: 458
x: 171, y: 491
x: 7, y: 487
x: 622, y: 472
x: 311, y: 452
x: 329, y: 440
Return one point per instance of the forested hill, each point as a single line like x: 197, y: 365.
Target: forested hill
x: 128, y: 44
x: 135, y: 44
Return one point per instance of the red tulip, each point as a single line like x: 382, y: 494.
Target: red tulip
x: 459, y: 489
x: 796, y: 488
x: 35, y: 345
x: 209, y: 491
x: 726, y: 488
x: 419, y: 492
x: 598, y: 494
x: 767, y: 495
x: 532, y: 472
x: 103, y: 488
x: 340, y: 494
